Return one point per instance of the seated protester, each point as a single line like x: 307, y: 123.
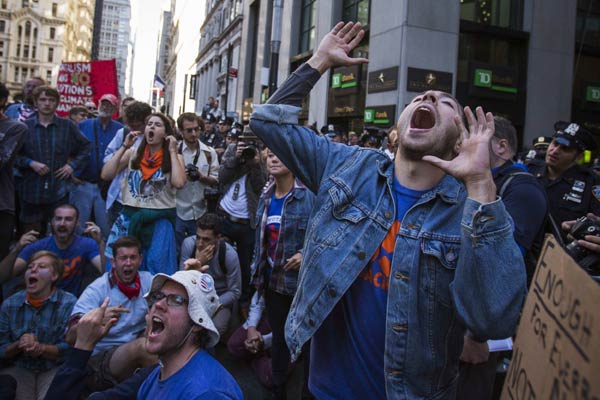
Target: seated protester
x: 121, y: 351
x: 76, y: 251
x: 180, y: 327
x: 252, y: 340
x: 205, y: 248
x: 69, y: 381
x: 154, y: 171
x: 32, y: 325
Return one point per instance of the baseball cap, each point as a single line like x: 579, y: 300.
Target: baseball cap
x: 572, y: 135
x: 203, y: 301
x: 111, y: 98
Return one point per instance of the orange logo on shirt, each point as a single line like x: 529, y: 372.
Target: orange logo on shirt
x: 378, y: 271
x: 71, y: 266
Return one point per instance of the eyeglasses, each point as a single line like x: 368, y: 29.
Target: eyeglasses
x: 173, y: 300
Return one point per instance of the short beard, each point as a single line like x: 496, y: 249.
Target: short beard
x: 54, y: 231
x: 443, y: 150
x: 103, y: 114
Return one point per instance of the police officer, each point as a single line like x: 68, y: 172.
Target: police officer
x: 572, y: 190
x: 537, y: 154
x: 210, y: 136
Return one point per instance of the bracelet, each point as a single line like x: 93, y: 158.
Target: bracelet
x: 125, y: 147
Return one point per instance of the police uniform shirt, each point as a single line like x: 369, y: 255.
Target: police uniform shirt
x: 573, y: 195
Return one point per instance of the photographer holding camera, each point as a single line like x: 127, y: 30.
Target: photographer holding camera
x: 202, y: 172
x: 242, y: 176
x: 584, y: 243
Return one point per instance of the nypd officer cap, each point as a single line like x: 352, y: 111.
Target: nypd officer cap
x: 572, y: 135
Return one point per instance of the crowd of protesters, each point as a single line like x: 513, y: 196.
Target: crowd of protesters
x: 131, y: 247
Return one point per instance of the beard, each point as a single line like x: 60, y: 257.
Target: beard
x: 66, y: 231
x: 438, y: 145
x: 103, y: 114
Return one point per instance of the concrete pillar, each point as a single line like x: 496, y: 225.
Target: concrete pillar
x: 326, y: 18
x: 418, y: 34
x: 550, y: 65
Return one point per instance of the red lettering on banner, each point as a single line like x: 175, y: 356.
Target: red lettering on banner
x: 82, y: 82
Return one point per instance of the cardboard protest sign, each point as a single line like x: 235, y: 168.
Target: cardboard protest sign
x: 557, y: 350
x: 80, y: 82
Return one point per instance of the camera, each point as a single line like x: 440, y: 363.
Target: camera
x: 192, y: 172
x: 248, y: 140
x: 584, y: 257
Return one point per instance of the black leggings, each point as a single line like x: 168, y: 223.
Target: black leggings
x: 277, y: 307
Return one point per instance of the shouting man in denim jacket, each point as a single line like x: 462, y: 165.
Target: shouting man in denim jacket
x: 401, y: 257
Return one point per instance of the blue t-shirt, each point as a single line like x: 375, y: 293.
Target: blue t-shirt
x: 92, y: 129
x: 201, y: 378
x: 347, y: 352
x: 78, y: 254
x: 273, y: 225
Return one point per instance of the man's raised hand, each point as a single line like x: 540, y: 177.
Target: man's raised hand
x: 92, y: 327
x: 472, y: 164
x: 336, y: 45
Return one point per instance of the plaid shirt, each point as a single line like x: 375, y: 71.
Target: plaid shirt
x: 294, y: 219
x: 55, y: 145
x: 47, y: 323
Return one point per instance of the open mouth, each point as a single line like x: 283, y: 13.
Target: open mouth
x: 150, y: 134
x: 422, y: 118
x: 32, y: 281
x: 156, y: 327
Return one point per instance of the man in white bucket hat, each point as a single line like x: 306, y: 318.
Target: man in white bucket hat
x: 179, y: 329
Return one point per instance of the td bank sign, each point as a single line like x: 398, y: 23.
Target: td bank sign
x: 485, y: 78
x: 593, y: 94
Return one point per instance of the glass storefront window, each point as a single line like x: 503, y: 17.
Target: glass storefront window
x: 356, y: 10
x: 588, y: 23
x: 492, y: 73
x: 307, y: 26
x: 501, y: 13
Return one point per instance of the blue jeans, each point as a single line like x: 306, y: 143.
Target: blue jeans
x: 88, y: 200
x: 243, y: 237
x: 183, y: 229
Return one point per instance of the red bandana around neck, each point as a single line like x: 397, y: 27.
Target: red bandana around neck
x: 149, y: 165
x: 129, y: 291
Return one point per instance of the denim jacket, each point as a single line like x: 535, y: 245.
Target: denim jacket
x: 456, y: 265
x: 294, y: 219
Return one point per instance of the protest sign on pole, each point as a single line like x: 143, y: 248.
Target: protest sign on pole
x: 80, y: 82
x: 557, y: 350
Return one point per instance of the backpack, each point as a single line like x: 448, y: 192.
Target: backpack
x: 531, y: 256
x: 222, y: 254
